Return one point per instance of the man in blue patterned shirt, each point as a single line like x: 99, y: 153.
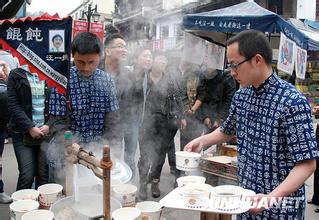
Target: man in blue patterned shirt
x: 91, y: 92
x: 273, y: 125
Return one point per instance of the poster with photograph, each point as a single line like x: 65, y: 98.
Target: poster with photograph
x: 300, y: 62
x: 286, y: 55
x: 203, y: 53
x: 31, y: 41
x: 56, y: 42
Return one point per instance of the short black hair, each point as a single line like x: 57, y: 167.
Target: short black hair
x: 111, y: 37
x: 252, y: 42
x: 86, y: 43
x: 57, y: 36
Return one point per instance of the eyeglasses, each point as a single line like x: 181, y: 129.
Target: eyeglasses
x: 234, y: 66
x: 122, y: 47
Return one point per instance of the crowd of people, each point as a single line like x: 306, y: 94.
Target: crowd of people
x: 130, y: 99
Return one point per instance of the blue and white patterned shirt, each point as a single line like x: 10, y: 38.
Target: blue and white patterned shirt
x: 274, y: 130
x: 90, y: 99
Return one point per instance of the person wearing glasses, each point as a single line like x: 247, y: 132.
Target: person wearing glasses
x: 129, y: 93
x: 272, y: 121
x: 115, y: 52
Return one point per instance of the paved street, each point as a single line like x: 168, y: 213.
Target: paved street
x: 10, y: 177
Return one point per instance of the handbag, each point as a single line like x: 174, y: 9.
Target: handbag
x: 173, y: 108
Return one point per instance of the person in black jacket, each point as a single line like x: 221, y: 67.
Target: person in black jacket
x: 158, y: 127
x: 28, y: 108
x: 220, y: 87
x: 4, y: 72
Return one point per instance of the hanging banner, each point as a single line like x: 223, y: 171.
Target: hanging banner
x: 286, y: 55
x: 82, y: 26
x: 40, y: 44
x: 300, y: 62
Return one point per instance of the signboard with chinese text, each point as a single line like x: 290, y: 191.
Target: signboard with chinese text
x: 40, y: 44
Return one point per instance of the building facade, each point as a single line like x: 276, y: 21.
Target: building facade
x: 158, y: 23
x: 105, y: 9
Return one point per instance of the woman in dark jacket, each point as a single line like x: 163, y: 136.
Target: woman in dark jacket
x: 27, y: 105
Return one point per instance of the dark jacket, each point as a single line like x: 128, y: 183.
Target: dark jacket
x: 20, y: 101
x: 4, y: 113
x: 159, y: 104
x: 219, y: 94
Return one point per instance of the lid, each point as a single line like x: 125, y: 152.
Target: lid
x: 121, y: 172
x: 68, y: 135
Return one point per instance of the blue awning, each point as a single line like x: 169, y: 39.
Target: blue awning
x: 243, y: 16
x: 313, y: 24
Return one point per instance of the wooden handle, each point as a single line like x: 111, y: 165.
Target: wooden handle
x: 106, y: 183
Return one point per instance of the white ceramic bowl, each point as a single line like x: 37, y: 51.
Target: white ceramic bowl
x: 187, y: 161
x: 49, y: 194
x: 150, y: 210
x: 127, y: 213
x: 40, y: 214
x: 125, y: 193
x: 196, y: 190
x: 226, y: 197
x: 25, y: 194
x: 186, y: 180
x: 18, y: 208
x: 227, y: 191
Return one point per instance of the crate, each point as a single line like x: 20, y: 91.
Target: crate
x: 226, y: 171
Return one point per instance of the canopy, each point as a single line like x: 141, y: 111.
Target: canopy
x: 219, y: 24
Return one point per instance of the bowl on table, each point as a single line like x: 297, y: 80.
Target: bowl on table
x: 24, y: 194
x: 226, y: 197
x: 187, y: 161
x: 186, y: 180
x: 195, y: 195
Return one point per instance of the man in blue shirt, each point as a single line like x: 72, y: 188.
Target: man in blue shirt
x: 91, y: 93
x: 273, y: 125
